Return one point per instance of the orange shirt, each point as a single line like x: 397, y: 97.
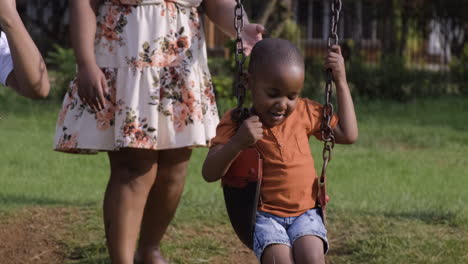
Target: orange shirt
x: 289, y: 178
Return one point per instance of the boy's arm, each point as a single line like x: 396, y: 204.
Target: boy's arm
x: 29, y: 76
x: 221, y: 156
x: 346, y: 131
x: 219, y: 160
x: 221, y: 12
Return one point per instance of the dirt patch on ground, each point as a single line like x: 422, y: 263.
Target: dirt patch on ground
x: 37, y: 235
x: 29, y: 236
x: 45, y: 235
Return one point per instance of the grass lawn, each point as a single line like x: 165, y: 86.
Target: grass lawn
x: 397, y: 196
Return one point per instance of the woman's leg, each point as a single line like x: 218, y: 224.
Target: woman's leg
x: 133, y: 172
x: 309, y: 250
x: 277, y: 254
x: 162, y: 202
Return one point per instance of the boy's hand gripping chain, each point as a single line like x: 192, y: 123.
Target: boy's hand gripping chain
x: 327, y: 131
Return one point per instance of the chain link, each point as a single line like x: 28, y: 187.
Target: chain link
x: 327, y: 131
x: 240, y: 113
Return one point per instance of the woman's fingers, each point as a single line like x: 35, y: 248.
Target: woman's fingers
x: 260, y: 29
x: 336, y: 49
x: 92, y: 91
x: 101, y: 90
x: 251, y: 34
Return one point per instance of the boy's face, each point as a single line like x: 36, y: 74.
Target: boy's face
x: 275, y: 93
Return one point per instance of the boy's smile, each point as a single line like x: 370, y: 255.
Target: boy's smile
x: 275, y: 90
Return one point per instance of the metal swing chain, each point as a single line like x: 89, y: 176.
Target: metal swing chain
x: 327, y: 131
x: 240, y: 113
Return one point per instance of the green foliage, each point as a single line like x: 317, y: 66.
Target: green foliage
x: 63, y: 68
x: 222, y: 78
x: 224, y: 97
x: 223, y: 75
x: 292, y: 32
x: 382, y: 81
x: 314, y: 77
x: 392, y: 79
x: 459, y: 71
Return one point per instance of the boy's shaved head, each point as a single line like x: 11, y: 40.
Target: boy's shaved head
x: 276, y: 79
x: 273, y: 54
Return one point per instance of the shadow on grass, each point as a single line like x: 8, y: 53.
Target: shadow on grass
x: 22, y: 200
x: 428, y: 217
x: 94, y: 253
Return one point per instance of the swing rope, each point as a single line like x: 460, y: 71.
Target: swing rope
x: 326, y: 129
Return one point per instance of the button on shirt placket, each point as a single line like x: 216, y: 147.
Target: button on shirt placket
x: 279, y: 144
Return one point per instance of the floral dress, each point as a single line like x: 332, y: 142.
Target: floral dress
x: 160, y: 95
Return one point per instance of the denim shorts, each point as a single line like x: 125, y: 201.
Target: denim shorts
x: 272, y: 229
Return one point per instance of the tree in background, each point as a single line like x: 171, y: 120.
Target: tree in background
x: 277, y: 16
x: 47, y: 22
x: 451, y: 18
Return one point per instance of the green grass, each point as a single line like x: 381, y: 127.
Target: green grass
x: 397, y: 196
x: 411, y: 160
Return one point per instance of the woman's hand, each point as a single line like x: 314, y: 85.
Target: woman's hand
x: 251, y: 34
x: 92, y: 85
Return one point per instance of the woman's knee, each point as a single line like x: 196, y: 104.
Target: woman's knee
x: 172, y: 166
x: 133, y: 167
x: 175, y: 157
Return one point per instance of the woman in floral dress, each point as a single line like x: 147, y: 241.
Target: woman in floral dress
x: 143, y: 94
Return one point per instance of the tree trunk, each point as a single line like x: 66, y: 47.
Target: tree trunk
x: 357, y: 28
x: 404, y: 28
x: 272, y: 14
x: 389, y: 45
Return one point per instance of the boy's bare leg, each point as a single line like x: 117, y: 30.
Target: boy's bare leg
x: 309, y: 249
x: 277, y: 254
x: 162, y: 203
x: 133, y: 172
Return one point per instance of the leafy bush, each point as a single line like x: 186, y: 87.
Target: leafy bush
x: 459, y: 71
x: 62, y: 65
x: 314, y: 81
x: 222, y: 79
x: 223, y: 74
x: 391, y: 79
x: 381, y: 81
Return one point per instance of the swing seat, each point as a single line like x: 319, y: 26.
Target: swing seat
x: 323, y: 199
x: 241, y: 188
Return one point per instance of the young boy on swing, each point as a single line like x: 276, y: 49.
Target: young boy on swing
x: 289, y: 226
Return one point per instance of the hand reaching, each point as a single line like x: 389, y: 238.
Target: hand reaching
x: 251, y: 34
